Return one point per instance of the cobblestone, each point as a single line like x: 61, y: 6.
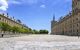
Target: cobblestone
x: 40, y: 42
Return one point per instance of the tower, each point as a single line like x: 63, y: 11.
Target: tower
x: 75, y: 6
x: 53, y: 21
x: 53, y: 17
x: 52, y: 24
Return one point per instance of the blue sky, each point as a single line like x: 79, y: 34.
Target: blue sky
x: 37, y: 14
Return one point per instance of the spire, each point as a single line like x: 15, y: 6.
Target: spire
x: 53, y: 17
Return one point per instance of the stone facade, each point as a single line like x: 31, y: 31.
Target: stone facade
x: 11, y: 21
x: 70, y: 24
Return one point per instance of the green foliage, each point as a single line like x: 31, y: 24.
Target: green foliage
x: 43, y: 32
x: 15, y: 29
x: 21, y: 30
x: 35, y: 32
x: 4, y: 26
x: 30, y: 31
x: 24, y: 30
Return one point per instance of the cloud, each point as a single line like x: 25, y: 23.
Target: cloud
x: 30, y: 2
x: 27, y: 2
x: 3, y: 5
x: 43, y: 6
x: 13, y: 2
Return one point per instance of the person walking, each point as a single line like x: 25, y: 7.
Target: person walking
x: 2, y: 34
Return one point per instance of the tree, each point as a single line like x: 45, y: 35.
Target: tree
x: 35, y: 32
x: 5, y: 27
x: 23, y: 30
x: 30, y: 30
x: 43, y: 32
x: 15, y: 29
x: 26, y: 30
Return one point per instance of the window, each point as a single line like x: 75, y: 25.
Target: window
x: 5, y: 20
x: 77, y: 30
x: 2, y: 19
x: 76, y: 18
x: 73, y: 20
x: 77, y: 25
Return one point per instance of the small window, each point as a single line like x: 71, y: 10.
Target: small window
x: 77, y: 30
x: 76, y: 18
x: 73, y: 20
x: 77, y: 25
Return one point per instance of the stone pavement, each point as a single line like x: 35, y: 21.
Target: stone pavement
x: 40, y: 42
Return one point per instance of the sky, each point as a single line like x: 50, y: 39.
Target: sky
x: 36, y: 14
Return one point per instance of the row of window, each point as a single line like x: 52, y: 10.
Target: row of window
x: 6, y: 21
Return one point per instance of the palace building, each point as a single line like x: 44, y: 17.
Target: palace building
x: 11, y: 21
x: 70, y: 24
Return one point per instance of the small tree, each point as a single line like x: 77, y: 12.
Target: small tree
x: 43, y: 32
x: 5, y: 27
x: 15, y: 29
x: 30, y: 30
x: 26, y: 30
x: 23, y: 30
x: 35, y: 32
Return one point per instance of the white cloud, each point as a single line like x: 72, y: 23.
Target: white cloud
x: 14, y: 2
x: 3, y: 5
x: 30, y: 2
x: 43, y: 6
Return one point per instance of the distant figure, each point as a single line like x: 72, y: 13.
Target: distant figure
x: 2, y: 34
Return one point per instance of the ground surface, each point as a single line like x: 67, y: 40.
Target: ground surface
x: 40, y: 42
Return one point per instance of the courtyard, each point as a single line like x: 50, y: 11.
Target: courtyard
x: 40, y: 42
